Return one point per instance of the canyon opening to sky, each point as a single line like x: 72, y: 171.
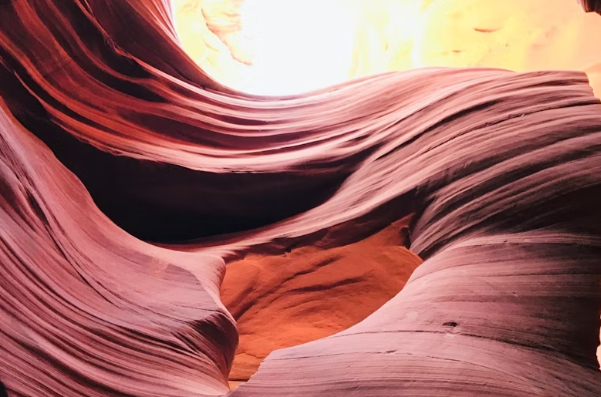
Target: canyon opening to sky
x: 286, y: 47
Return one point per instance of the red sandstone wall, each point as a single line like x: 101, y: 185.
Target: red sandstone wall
x: 101, y: 132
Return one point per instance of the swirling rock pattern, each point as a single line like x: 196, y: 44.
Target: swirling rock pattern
x: 502, y: 171
x: 86, y: 308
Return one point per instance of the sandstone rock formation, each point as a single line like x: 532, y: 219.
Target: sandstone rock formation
x: 102, y: 134
x: 313, y: 291
x: 88, y: 310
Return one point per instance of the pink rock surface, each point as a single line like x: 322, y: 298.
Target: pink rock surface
x: 87, y: 309
x: 503, y: 171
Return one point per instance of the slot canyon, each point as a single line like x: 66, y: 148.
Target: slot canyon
x: 256, y: 198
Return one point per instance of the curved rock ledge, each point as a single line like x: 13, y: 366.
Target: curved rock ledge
x: 502, y: 171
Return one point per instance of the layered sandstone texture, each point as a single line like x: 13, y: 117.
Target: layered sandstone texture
x: 112, y: 136
x: 312, y: 291
x: 385, y: 35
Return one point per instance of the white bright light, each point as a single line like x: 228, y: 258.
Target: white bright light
x: 298, y: 45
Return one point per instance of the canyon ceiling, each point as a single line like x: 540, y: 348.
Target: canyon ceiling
x: 422, y: 221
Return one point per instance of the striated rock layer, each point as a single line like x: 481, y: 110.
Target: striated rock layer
x: 312, y: 291
x: 502, y: 171
x: 86, y: 309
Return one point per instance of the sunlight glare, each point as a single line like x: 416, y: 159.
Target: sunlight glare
x: 298, y: 46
